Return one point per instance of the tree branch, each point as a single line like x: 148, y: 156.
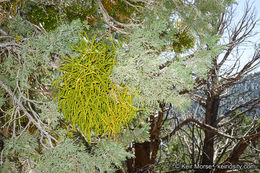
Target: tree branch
x: 240, y: 148
x: 107, y: 19
x: 200, y: 125
x: 251, y: 103
x: 29, y: 116
x: 4, y: 45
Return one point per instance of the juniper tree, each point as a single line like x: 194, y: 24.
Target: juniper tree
x: 33, y: 48
x: 229, y: 134
x: 222, y: 77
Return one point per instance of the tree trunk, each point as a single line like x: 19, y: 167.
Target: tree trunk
x: 146, y: 153
x: 212, y: 105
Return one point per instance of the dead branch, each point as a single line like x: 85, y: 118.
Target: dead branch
x: 107, y: 18
x: 137, y: 7
x: 2, y: 32
x: 32, y: 118
x: 251, y: 104
x: 240, y: 148
x: 248, y: 161
x: 9, y: 44
x: 242, y: 30
x: 200, y: 125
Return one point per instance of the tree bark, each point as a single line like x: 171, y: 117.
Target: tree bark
x: 212, y: 105
x: 146, y: 152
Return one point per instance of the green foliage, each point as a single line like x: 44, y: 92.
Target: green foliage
x: 49, y: 113
x: 18, y: 27
x: 9, y: 167
x: 17, y: 151
x: 63, y: 158
x: 79, y: 10
x: 138, y: 134
x: 46, y: 15
x: 13, y: 7
x: 2, y: 99
x: 70, y: 157
x: 214, y: 7
x: 66, y: 157
x: 21, y: 147
x: 110, y: 153
x: 35, y: 55
x: 139, y: 62
x: 121, y: 10
x: 204, y: 17
x: 87, y: 97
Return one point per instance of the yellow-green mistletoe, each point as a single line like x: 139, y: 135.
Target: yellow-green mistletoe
x: 89, y: 100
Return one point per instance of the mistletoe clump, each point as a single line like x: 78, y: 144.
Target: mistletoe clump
x: 89, y: 100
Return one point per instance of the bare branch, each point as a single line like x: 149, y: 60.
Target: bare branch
x: 29, y: 116
x: 8, y: 44
x: 6, y: 37
x: 2, y: 32
x: 107, y: 18
x: 132, y: 5
x: 240, y: 148
x: 242, y: 31
x: 197, y: 98
x: 200, y: 125
x: 251, y: 104
x: 248, y: 161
